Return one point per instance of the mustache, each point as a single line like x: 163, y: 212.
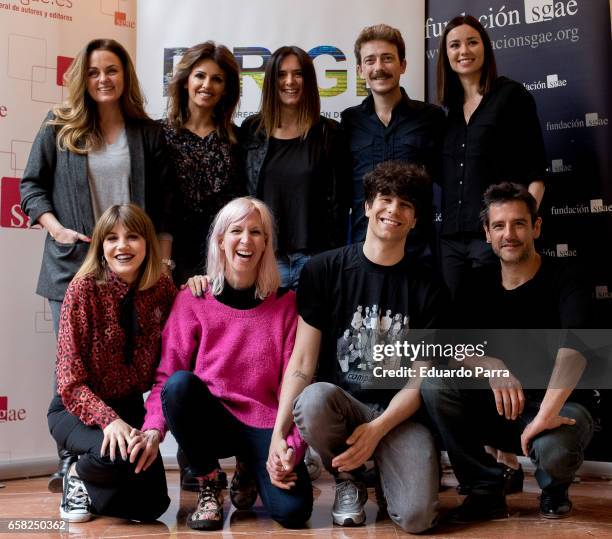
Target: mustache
x: 511, y: 244
x: 380, y: 74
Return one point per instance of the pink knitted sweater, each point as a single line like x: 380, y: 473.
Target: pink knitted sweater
x: 240, y: 355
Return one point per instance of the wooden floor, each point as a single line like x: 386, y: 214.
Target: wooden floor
x: 592, y: 516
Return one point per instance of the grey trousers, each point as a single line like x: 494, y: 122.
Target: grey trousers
x: 406, y: 458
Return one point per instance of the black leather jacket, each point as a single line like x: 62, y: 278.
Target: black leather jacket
x: 336, y: 200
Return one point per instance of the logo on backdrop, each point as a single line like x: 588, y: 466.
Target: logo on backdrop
x: 595, y: 205
x: 121, y: 19
x: 558, y: 166
x: 561, y: 250
x: 9, y: 415
x: 598, y: 206
x: 547, y: 10
x: 591, y: 119
x: 62, y: 64
x: 602, y: 292
x: 552, y: 81
x: 253, y: 61
x: 11, y: 214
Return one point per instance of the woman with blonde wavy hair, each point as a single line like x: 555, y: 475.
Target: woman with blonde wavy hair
x: 96, y: 149
x: 107, y: 352
x: 223, y: 357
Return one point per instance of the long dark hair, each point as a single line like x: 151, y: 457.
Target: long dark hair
x: 449, y: 89
x: 178, y: 98
x: 310, y: 104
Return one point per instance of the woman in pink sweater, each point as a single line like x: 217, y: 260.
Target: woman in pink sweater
x: 223, y: 358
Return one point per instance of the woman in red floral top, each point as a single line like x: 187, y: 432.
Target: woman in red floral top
x: 108, y: 350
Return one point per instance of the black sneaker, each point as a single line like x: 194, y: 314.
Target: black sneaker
x: 56, y: 481
x: 555, y: 503
x: 351, y: 496
x: 75, y: 503
x: 243, y: 489
x: 479, y: 507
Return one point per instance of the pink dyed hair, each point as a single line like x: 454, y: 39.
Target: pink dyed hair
x: 268, y: 277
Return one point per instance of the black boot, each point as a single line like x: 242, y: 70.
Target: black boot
x: 56, y: 481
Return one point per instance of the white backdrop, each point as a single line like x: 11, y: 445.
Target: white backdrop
x: 38, y: 40
x: 240, y: 24
x: 330, y: 26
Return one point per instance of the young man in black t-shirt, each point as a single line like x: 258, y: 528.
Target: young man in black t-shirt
x: 530, y: 291
x: 347, y: 299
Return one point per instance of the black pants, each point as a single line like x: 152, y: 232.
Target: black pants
x: 459, y: 254
x: 206, y: 431
x: 115, y: 490
x: 466, y: 418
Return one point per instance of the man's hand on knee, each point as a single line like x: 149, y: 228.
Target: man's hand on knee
x: 362, y: 444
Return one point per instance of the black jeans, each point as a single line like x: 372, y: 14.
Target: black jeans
x: 115, y: 490
x: 466, y: 419
x: 206, y: 431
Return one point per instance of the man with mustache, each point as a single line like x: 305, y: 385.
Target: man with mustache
x: 388, y: 125
x: 526, y: 290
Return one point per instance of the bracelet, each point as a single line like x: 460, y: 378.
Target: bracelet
x: 169, y: 262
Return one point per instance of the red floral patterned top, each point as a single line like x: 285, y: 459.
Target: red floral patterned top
x: 91, y: 368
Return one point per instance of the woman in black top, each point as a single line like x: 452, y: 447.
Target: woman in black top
x: 202, y: 98
x: 297, y: 162
x: 493, y: 134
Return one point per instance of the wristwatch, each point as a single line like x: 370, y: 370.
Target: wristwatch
x: 169, y: 262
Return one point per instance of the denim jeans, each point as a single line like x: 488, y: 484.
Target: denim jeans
x: 290, y: 266
x: 466, y: 419
x: 206, y: 431
x: 406, y: 458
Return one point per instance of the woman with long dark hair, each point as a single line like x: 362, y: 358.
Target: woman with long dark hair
x: 297, y: 162
x: 493, y: 134
x: 96, y: 149
x: 202, y: 98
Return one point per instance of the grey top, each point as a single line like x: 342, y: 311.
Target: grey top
x: 108, y: 173
x: 56, y: 181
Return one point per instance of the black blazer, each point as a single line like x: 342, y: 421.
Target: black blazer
x: 56, y: 181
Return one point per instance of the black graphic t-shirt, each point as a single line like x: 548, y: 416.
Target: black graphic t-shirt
x: 359, y: 306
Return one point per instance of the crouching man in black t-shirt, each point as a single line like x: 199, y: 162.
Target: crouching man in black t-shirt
x: 346, y: 416
x: 530, y: 409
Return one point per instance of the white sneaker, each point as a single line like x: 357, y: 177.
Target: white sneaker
x: 75, y: 500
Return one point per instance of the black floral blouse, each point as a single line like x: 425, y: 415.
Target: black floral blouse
x: 207, y: 178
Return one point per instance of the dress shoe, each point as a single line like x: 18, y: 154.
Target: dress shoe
x: 555, y: 503
x: 479, y: 507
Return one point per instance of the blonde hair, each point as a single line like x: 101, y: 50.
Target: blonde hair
x: 268, y: 277
x: 135, y: 220
x: 77, y: 117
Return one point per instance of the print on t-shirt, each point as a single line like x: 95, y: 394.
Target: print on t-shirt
x: 369, y: 328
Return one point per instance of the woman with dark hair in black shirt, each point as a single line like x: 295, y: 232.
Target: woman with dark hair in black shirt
x: 297, y: 162
x: 493, y: 134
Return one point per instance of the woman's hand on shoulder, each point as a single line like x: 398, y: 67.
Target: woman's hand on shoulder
x: 147, y: 442
x: 197, y: 284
